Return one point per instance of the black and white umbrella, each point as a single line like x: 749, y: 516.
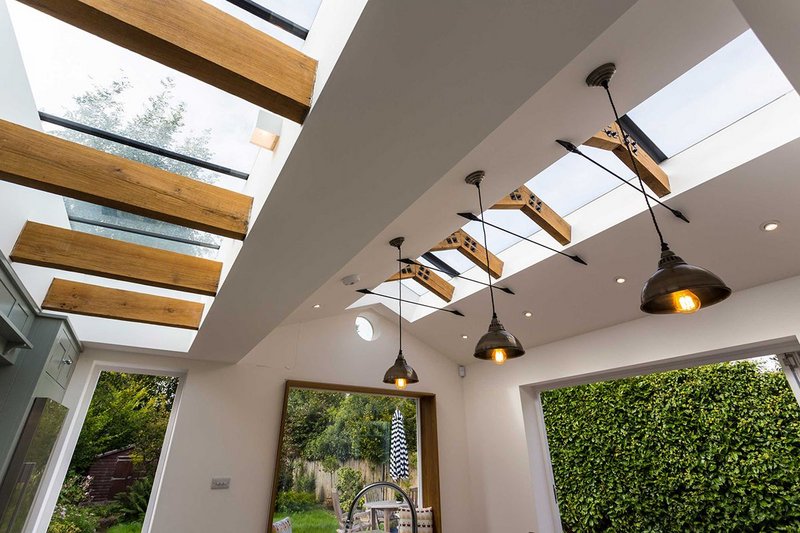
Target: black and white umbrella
x: 398, y: 459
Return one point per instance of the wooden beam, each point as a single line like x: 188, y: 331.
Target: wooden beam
x: 103, y: 302
x: 65, y: 249
x: 538, y: 211
x: 202, y: 41
x: 41, y: 161
x: 610, y: 138
x: 472, y: 250
x: 428, y: 279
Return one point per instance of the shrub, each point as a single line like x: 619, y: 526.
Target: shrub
x: 133, y: 503
x: 349, y: 481
x: 295, y: 502
x: 712, y: 449
x: 69, y: 518
x: 305, y: 481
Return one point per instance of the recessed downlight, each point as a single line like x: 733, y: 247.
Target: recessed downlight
x: 527, y: 314
x: 771, y: 225
x: 620, y: 280
x: 317, y: 306
x: 465, y: 337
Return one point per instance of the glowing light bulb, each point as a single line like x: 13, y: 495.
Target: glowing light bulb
x: 401, y: 383
x: 685, y: 301
x: 499, y: 356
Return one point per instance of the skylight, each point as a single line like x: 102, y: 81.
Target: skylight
x: 738, y: 79
x: 63, y: 62
x: 286, y: 20
x: 85, y: 79
x: 735, y: 81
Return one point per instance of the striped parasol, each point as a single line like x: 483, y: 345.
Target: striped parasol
x: 398, y: 459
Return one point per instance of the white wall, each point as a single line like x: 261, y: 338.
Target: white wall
x: 228, y: 419
x: 18, y: 204
x: 503, y: 489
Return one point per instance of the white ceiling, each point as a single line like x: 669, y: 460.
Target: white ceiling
x: 423, y: 94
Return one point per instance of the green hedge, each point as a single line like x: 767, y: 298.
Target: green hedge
x: 712, y: 449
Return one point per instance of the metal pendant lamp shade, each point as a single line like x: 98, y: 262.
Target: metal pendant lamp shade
x: 400, y: 373
x: 497, y: 339
x: 678, y: 287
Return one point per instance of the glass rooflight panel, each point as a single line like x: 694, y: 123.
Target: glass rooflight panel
x: 120, y: 225
x: 736, y: 80
x: 455, y: 259
x: 78, y: 76
x: 294, y: 17
x: 499, y: 240
x: 414, y: 287
x: 572, y: 182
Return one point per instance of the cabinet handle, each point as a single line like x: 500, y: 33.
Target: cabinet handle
x: 67, y: 361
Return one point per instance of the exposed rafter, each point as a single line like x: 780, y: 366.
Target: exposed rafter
x: 41, y: 161
x: 65, y: 249
x: 94, y: 300
x: 471, y: 249
x: 523, y: 199
x: 428, y: 279
x: 202, y: 41
x: 610, y: 138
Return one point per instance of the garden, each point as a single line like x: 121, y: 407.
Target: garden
x: 334, y: 444
x: 127, y: 412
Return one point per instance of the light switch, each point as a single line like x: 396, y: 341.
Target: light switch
x: 220, y: 483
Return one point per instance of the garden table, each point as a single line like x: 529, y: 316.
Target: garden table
x: 387, y: 506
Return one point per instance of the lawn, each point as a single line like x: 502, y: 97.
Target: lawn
x: 126, y: 528
x: 318, y: 520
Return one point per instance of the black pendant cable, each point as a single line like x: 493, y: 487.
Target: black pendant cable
x: 497, y: 344
x: 400, y: 374
x: 676, y: 287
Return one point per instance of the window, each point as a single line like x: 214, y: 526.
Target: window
x: 336, y: 439
x: 364, y: 328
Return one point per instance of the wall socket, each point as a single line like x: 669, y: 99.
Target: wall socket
x: 218, y: 483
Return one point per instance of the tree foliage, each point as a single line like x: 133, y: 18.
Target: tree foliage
x: 320, y: 425
x: 161, y: 123
x: 126, y: 410
x: 713, y: 449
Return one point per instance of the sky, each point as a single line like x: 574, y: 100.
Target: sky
x: 63, y: 61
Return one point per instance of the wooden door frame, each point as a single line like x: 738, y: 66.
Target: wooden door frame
x: 428, y: 444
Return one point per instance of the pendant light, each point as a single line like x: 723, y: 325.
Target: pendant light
x: 400, y: 374
x: 497, y: 344
x: 676, y: 287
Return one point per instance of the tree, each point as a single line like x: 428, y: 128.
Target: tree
x: 159, y: 123
x: 713, y: 449
x: 126, y: 410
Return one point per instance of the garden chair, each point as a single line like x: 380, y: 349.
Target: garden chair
x: 358, y: 525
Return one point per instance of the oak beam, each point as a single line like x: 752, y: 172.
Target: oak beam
x: 45, y: 162
x: 610, y: 138
x: 428, y: 279
x: 104, y: 302
x: 542, y: 214
x: 65, y: 249
x: 202, y: 41
x: 473, y: 250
